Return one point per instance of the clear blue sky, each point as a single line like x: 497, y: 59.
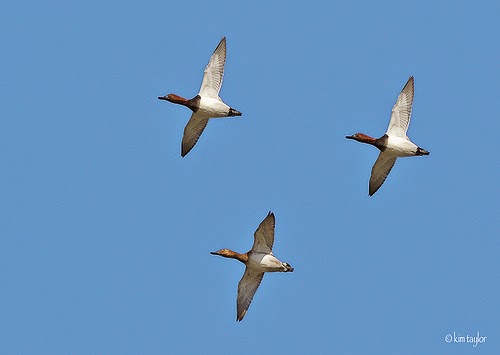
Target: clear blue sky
x: 106, y: 230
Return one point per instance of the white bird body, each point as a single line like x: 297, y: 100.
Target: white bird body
x: 258, y: 260
x: 207, y: 104
x: 265, y: 262
x: 400, y: 147
x: 394, y: 143
x: 212, y: 107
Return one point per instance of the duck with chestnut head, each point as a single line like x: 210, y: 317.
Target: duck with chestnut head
x: 394, y: 143
x: 207, y: 104
x: 258, y: 260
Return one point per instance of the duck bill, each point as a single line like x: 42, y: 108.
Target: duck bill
x: 162, y: 98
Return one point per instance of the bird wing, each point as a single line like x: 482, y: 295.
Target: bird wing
x: 247, y: 287
x: 214, y: 72
x: 380, y: 170
x: 400, y: 117
x: 264, y: 235
x: 192, y: 132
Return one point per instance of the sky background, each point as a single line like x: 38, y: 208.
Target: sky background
x: 106, y: 230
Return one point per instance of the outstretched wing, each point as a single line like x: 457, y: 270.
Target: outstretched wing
x: 401, y: 112
x: 247, y: 287
x: 264, y: 235
x: 192, y: 132
x: 214, y: 72
x: 380, y: 170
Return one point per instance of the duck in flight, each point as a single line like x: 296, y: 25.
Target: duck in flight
x: 258, y: 260
x: 207, y: 104
x: 394, y: 143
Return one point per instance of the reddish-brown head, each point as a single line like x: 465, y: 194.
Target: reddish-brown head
x: 361, y: 137
x: 231, y: 254
x: 222, y: 252
x: 176, y: 99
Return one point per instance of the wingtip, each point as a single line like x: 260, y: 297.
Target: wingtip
x: 185, y: 150
x: 411, y: 81
x: 184, y: 153
x: 270, y: 215
x: 222, y: 42
x: 240, y: 317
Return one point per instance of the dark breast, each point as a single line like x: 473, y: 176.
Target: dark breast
x: 381, y: 143
x: 194, y: 103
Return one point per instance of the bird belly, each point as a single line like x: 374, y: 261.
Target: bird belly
x: 213, y: 107
x: 400, y: 147
x: 265, y: 262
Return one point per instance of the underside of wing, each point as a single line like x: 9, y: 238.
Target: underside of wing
x: 380, y: 170
x: 214, y: 72
x: 401, y: 112
x: 192, y: 132
x: 247, y: 287
x: 264, y: 235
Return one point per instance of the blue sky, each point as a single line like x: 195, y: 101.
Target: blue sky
x: 106, y: 230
